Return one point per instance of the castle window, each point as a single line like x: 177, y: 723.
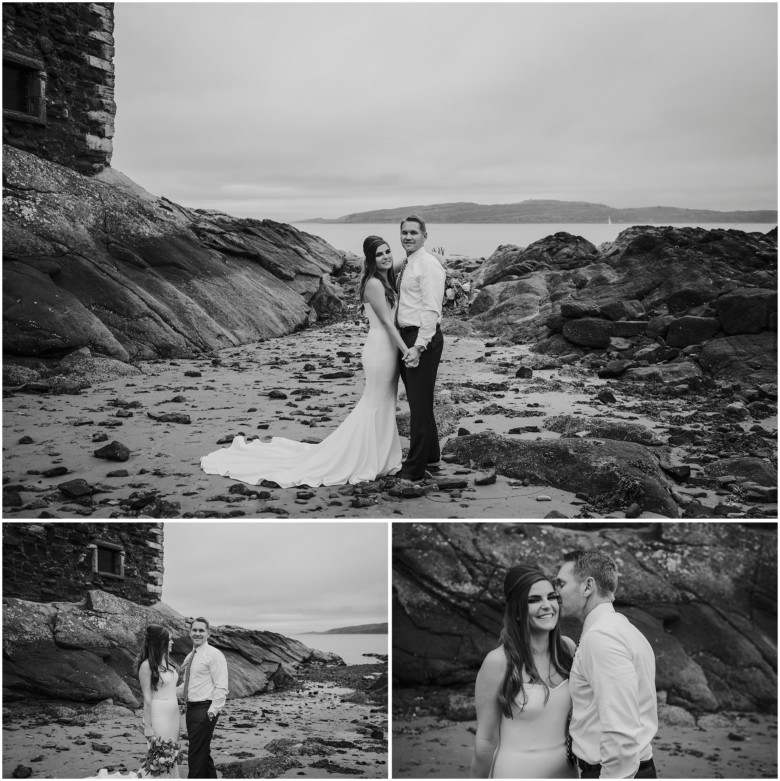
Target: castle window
x: 108, y: 560
x: 24, y: 89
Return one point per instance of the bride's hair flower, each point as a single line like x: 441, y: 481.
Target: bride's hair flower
x: 161, y: 757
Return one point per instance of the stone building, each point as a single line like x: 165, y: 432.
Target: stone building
x: 60, y: 562
x: 58, y: 82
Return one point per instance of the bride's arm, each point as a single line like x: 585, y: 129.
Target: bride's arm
x: 489, y: 680
x: 145, y: 679
x: 375, y: 297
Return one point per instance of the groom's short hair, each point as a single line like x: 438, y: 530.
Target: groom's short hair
x: 202, y: 620
x: 414, y: 218
x: 597, y: 565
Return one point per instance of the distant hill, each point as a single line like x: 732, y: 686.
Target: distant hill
x: 363, y: 629
x: 552, y: 211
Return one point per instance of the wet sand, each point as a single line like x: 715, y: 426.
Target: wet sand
x: 318, y: 710
x: 231, y: 396
x: 722, y: 746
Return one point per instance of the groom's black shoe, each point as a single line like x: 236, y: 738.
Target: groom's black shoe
x: 434, y: 466
x: 402, y: 475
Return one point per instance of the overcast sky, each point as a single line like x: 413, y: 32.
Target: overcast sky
x: 285, y: 577
x: 297, y: 110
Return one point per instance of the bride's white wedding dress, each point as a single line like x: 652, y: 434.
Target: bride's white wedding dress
x: 364, y: 447
x: 166, y: 723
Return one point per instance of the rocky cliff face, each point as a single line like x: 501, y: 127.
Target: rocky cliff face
x: 100, y: 263
x: 86, y: 652
x: 671, y: 304
x: 705, y: 596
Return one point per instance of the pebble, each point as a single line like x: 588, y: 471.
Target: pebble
x: 543, y: 498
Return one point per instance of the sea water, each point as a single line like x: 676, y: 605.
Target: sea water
x: 349, y: 647
x: 480, y: 240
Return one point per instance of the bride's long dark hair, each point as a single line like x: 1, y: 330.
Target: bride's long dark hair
x: 370, y: 245
x: 155, y: 649
x: 516, y: 640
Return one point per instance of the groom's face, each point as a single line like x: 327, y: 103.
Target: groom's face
x: 412, y: 236
x: 571, y: 591
x: 199, y: 633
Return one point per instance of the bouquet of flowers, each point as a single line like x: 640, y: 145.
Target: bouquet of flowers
x: 161, y: 757
x: 456, y: 293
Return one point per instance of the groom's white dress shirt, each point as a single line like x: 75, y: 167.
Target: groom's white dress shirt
x: 421, y: 295
x: 208, y: 677
x: 612, y: 684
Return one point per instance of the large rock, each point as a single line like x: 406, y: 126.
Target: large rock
x: 610, y: 472
x: 86, y: 651
x: 747, y: 310
x: 746, y: 357
x: 705, y: 596
x: 691, y: 330
x: 97, y: 262
x: 589, y: 332
x: 597, y: 428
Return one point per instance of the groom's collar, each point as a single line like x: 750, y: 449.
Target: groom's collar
x: 416, y: 253
x: 602, y: 609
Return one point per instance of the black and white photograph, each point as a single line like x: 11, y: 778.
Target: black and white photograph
x: 584, y: 650
x: 195, y: 650
x: 377, y: 260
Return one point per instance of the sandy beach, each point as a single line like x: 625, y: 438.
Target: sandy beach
x: 728, y: 745
x: 230, y: 394
x: 58, y: 740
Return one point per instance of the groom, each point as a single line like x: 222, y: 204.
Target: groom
x: 420, y: 296
x: 204, y: 692
x: 612, y: 679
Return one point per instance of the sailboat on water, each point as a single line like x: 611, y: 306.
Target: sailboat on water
x: 609, y: 219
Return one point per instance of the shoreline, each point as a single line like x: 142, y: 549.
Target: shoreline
x: 58, y: 739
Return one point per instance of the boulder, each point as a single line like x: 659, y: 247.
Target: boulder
x: 746, y: 468
x: 664, y: 373
x: 597, y: 428
x: 705, y: 596
x: 90, y: 263
x: 622, y: 310
x: 610, y: 472
x: 691, y: 330
x: 746, y: 310
x: 575, y: 309
x: 744, y: 357
x: 588, y: 332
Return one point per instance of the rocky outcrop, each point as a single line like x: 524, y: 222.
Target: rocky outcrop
x: 697, y: 294
x: 705, y: 596
x: 611, y: 473
x: 86, y: 651
x: 98, y: 262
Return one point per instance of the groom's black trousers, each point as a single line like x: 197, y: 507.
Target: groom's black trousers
x: 200, y: 729
x: 419, y: 383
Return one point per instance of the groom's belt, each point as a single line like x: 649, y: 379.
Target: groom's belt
x: 586, y: 767
x: 407, y: 329
x: 198, y: 703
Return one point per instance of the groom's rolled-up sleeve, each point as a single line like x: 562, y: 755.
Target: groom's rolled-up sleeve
x: 219, y: 675
x: 432, y: 278
x: 616, y: 692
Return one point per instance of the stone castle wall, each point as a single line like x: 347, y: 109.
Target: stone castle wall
x: 64, y: 53
x: 56, y: 562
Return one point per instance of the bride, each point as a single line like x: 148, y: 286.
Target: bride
x: 522, y: 689
x: 366, y: 445
x: 158, y: 675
